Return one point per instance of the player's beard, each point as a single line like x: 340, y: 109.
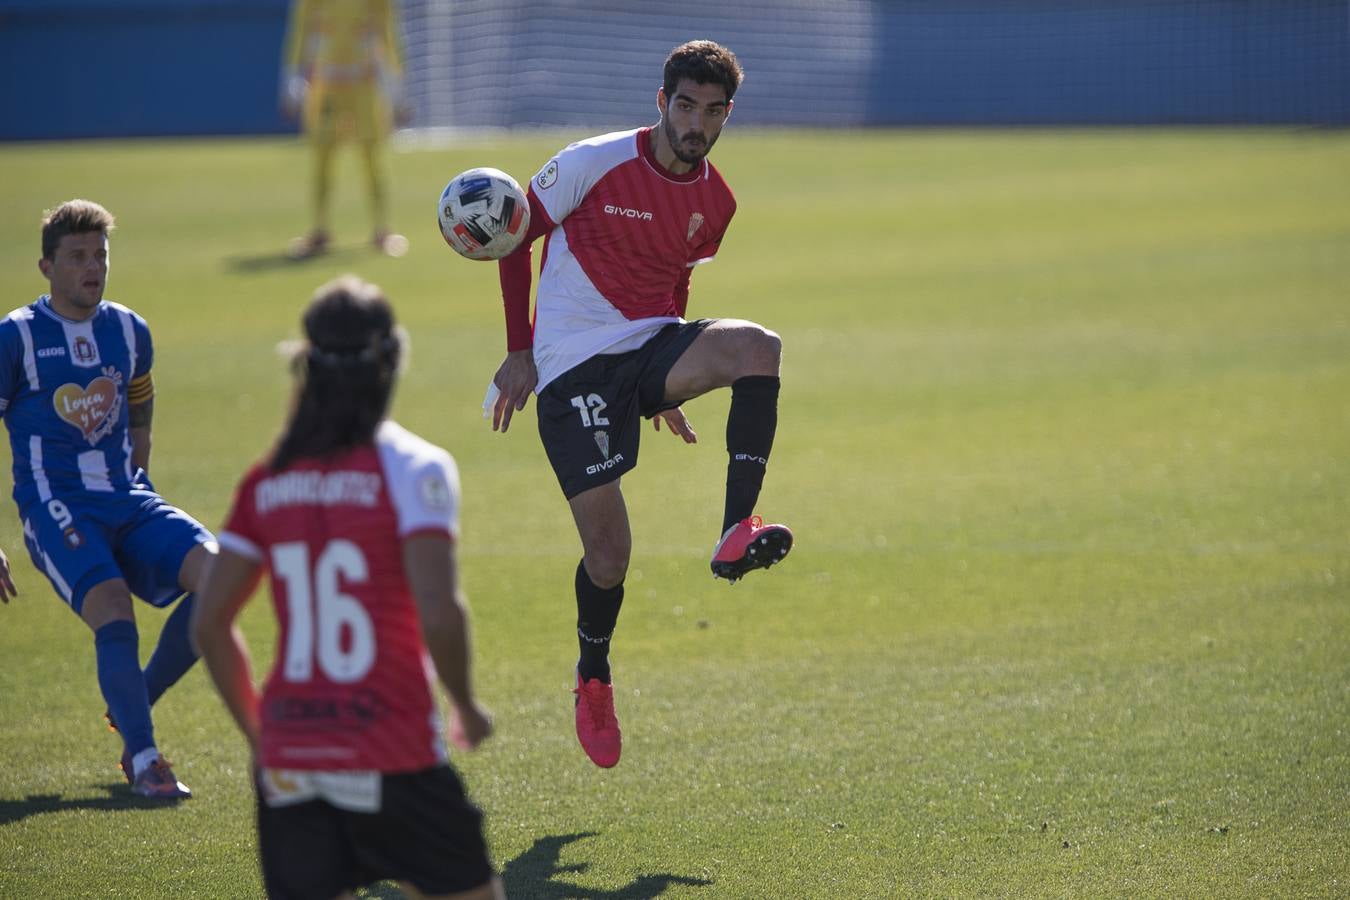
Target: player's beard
x: 675, y: 141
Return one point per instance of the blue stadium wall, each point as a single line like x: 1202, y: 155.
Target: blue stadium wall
x: 121, y: 68
x: 125, y: 68
x: 1129, y: 62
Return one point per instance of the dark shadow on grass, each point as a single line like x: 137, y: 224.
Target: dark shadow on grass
x: 265, y: 262
x: 532, y: 875
x: 119, y: 798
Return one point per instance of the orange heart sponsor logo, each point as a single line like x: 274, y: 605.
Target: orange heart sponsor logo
x: 90, y: 409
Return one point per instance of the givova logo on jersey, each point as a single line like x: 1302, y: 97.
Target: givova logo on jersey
x: 628, y: 212
x: 92, y: 408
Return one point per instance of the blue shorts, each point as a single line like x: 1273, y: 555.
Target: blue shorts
x: 80, y: 540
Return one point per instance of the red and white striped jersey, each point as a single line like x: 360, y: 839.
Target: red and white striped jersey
x: 623, y: 233
x: 351, y: 687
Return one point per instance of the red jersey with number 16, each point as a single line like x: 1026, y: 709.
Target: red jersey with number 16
x: 352, y: 684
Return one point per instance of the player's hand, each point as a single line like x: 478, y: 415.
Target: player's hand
x: 677, y: 424
x: 7, y: 588
x: 515, y: 378
x: 470, y: 725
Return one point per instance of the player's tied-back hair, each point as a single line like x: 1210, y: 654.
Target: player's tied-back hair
x: 703, y: 62
x: 73, y: 217
x: 346, y: 369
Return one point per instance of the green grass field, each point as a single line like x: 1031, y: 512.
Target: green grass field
x: 1065, y: 441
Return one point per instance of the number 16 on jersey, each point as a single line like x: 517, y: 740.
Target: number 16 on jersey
x: 319, y: 612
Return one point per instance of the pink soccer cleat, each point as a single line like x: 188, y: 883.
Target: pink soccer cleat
x: 597, y: 726
x: 750, y: 544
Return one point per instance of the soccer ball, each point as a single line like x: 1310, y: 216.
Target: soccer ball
x: 483, y: 214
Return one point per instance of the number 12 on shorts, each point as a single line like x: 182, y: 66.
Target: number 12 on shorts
x: 592, y: 408
x: 318, y: 611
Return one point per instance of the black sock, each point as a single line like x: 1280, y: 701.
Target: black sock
x: 597, y: 613
x: 751, y: 424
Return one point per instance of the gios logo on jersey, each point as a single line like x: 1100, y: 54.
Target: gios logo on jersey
x: 93, y: 408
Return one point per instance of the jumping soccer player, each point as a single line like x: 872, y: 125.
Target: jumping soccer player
x: 356, y: 520
x: 77, y: 397
x: 628, y: 215
x: 343, y: 70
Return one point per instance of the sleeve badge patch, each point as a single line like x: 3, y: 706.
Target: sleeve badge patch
x: 548, y: 176
x: 433, y: 492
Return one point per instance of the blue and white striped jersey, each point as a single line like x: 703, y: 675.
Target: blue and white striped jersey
x: 64, y: 389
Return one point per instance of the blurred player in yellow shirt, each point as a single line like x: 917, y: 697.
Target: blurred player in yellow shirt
x: 344, y: 72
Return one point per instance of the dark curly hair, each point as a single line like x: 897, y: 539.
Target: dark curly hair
x: 703, y: 62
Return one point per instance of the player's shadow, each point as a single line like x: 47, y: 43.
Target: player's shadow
x: 534, y: 873
x: 263, y: 262
x: 119, y: 798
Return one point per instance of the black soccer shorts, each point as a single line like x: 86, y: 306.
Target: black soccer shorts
x: 590, y: 416
x: 427, y: 832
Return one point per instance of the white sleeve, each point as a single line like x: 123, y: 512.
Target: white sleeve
x: 567, y: 178
x: 423, y: 483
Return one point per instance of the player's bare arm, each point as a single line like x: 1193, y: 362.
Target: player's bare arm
x: 228, y: 586
x: 139, y: 417
x: 430, y: 565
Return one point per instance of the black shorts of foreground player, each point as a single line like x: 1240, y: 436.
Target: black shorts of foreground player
x: 627, y: 217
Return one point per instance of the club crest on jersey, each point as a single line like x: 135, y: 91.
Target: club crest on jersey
x: 695, y: 223
x: 84, y: 351
x: 74, y: 540
x: 602, y: 441
x: 93, y: 408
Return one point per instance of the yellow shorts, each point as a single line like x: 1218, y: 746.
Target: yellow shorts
x: 355, y: 111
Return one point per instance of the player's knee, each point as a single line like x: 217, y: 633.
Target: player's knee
x: 762, y: 352
x: 772, y: 345
x: 607, y: 568
x: 192, y: 573
x: 106, y: 602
